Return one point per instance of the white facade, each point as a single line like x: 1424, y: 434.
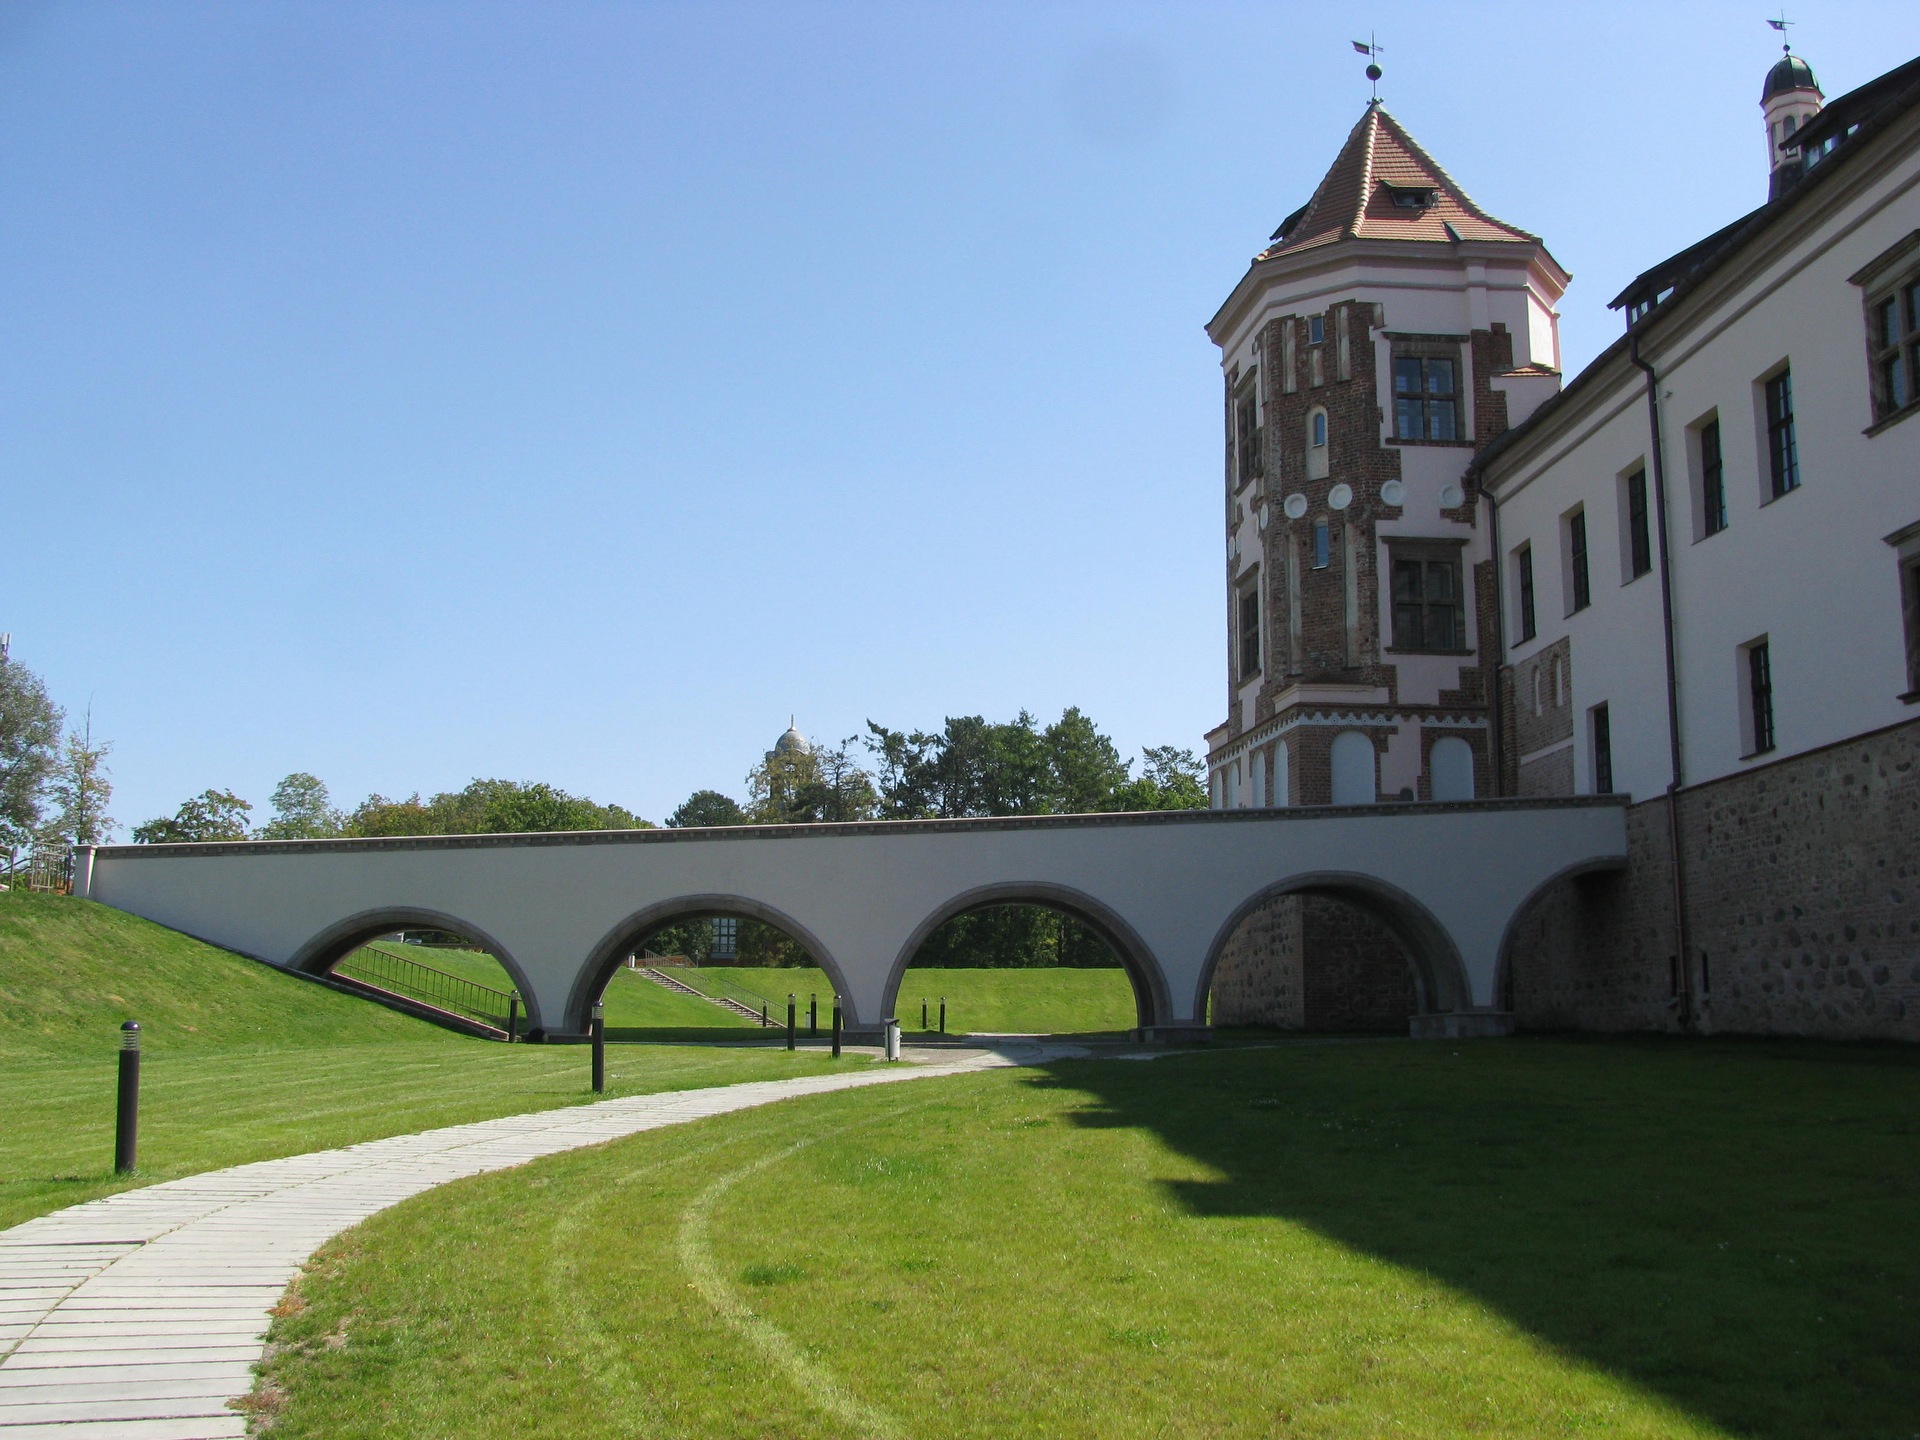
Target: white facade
x: 1814, y: 573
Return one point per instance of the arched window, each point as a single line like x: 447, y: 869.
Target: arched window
x: 1354, y: 781
x: 1450, y: 767
x: 1316, y: 444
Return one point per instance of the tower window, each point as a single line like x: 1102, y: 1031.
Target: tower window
x: 1783, y: 449
x: 1523, y: 585
x: 1426, y: 398
x: 1894, y: 338
x: 1757, y: 711
x: 1713, y: 480
x: 1316, y: 329
x: 1250, y: 462
x: 1427, y: 609
x: 1322, y: 545
x: 1319, y: 428
x: 1250, y: 630
x: 1639, y: 542
x: 1574, y: 542
x: 1601, y: 732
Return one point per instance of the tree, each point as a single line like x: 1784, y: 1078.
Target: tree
x: 489, y: 807
x: 210, y: 815
x: 806, y: 786
x: 707, y: 807
x: 29, y: 750
x: 81, y: 789
x: 1170, y: 779
x: 302, y: 810
x: 1084, y: 771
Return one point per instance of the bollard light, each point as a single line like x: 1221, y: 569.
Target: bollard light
x: 599, y: 1030
x: 836, y: 1027
x: 126, y: 1128
x: 943, y: 1014
x: 813, y: 1017
x: 792, y: 1018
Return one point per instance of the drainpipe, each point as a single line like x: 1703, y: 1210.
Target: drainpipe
x: 1683, y: 972
x: 1494, y: 735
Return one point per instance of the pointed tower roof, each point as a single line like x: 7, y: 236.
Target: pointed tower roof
x: 1383, y: 186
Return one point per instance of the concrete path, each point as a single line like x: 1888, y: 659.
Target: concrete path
x: 140, y: 1316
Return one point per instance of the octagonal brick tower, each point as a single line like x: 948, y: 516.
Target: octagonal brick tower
x: 1390, y: 328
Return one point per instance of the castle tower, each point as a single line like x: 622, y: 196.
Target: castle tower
x: 1390, y: 328
x: 1789, y: 99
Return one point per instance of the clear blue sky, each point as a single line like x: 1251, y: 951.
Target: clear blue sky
x: 411, y: 392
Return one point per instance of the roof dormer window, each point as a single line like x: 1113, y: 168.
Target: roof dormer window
x: 1411, y: 197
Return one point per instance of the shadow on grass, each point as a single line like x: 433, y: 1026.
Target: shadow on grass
x: 1728, y: 1224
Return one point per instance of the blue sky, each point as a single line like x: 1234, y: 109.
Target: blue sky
x: 411, y: 392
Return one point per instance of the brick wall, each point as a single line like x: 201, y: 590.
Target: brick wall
x: 1803, y: 884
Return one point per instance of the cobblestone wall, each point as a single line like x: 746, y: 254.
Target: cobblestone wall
x: 1803, y: 915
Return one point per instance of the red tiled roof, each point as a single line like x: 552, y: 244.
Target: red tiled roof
x: 1355, y: 199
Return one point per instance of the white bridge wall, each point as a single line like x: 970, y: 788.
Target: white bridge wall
x: 1171, y: 885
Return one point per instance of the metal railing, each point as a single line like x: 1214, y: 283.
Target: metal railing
x: 725, y: 990
x: 406, y: 977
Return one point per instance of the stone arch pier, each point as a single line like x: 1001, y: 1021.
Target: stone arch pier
x: 1165, y: 890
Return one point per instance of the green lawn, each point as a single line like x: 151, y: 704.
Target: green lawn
x: 982, y: 1002
x: 1517, y: 1238
x: 244, y: 1063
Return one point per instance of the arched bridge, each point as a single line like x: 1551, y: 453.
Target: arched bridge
x: 1166, y: 891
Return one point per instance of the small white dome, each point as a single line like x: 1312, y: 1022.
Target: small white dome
x: 793, y: 742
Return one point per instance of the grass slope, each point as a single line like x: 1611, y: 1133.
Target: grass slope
x: 1525, y: 1238
x: 245, y: 1063
x: 632, y: 1001
x: 983, y: 1002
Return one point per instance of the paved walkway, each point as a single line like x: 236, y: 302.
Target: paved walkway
x: 140, y: 1316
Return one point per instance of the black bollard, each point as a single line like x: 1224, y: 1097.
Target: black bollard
x: 599, y: 1030
x: 126, y: 1128
x: 923, y: 1014
x: 813, y: 1017
x: 943, y: 1014
x: 836, y: 1027
x: 764, y: 1021
x: 513, y: 1017
x: 792, y: 1027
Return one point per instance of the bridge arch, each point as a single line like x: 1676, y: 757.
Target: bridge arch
x: 613, y: 948
x: 1503, y: 972
x: 1439, y: 974
x: 1151, y: 998
x: 333, y: 944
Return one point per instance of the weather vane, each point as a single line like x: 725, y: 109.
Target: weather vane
x: 1373, y: 49
x: 1781, y: 26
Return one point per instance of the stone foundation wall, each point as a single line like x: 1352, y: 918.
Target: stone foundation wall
x: 1803, y: 908
x: 1303, y: 962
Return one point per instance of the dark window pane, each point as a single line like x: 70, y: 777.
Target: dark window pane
x: 1602, y: 751
x: 1577, y: 538
x: 1639, y: 544
x: 1760, y: 696
x: 1713, y: 489
x: 1782, y: 450
x: 1893, y: 380
x: 1440, y: 377
x: 1409, y: 419
x: 1887, y: 321
x: 1528, y: 629
x: 1406, y: 375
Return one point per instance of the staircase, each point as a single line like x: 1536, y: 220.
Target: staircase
x: 660, y: 977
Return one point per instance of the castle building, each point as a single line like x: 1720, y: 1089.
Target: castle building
x: 1692, y: 575
x: 1390, y: 329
